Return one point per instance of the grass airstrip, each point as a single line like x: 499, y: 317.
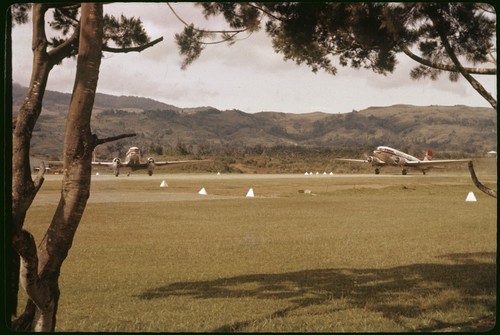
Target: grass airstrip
x: 317, y: 253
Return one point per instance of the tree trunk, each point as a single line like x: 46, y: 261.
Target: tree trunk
x: 40, y: 268
x: 24, y: 188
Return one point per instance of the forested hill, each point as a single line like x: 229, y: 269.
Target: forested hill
x: 160, y: 126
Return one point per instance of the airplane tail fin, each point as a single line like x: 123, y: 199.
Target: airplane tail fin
x: 428, y: 155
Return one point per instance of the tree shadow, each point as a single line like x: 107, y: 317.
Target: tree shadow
x: 473, y: 276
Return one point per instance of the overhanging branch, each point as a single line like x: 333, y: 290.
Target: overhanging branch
x: 237, y: 31
x: 436, y: 20
x: 230, y: 34
x: 98, y: 141
x: 447, y: 67
x: 478, y: 184
x: 132, y: 49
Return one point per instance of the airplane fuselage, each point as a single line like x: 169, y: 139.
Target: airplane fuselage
x: 388, y: 154
x: 133, y: 156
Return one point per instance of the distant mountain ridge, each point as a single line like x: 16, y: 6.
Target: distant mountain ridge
x: 444, y: 128
x: 101, y: 99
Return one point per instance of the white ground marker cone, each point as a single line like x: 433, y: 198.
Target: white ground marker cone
x: 203, y: 191
x: 97, y: 173
x: 470, y: 197
x: 218, y: 173
x: 250, y: 193
x: 164, y: 184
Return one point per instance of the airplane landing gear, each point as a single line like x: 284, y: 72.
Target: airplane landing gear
x: 377, y: 171
x: 404, y: 172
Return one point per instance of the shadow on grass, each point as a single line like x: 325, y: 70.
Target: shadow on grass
x: 393, y: 292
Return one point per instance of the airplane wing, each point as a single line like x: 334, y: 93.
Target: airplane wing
x: 103, y: 163
x: 435, y: 163
x: 353, y: 160
x: 371, y: 159
x: 182, y: 162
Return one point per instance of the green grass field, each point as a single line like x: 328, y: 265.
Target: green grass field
x: 356, y: 253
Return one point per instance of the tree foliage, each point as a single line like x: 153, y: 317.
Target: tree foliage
x: 124, y: 32
x: 453, y: 38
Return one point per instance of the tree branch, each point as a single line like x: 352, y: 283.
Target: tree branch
x: 98, y: 141
x: 447, y: 67
x: 132, y: 49
x: 66, y: 6
x: 436, y: 20
x: 39, y: 177
x: 488, y: 191
x: 206, y: 31
x: 64, y: 50
x: 264, y: 11
x: 230, y: 38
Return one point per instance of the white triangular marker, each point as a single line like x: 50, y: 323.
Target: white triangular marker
x: 218, y: 173
x: 250, y: 193
x: 203, y: 191
x: 306, y: 174
x: 471, y: 197
x: 164, y: 184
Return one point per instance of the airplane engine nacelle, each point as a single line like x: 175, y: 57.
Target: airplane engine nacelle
x: 399, y: 161
x: 374, y: 161
x: 117, y: 163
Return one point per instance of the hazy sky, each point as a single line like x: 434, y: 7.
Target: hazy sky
x: 248, y: 76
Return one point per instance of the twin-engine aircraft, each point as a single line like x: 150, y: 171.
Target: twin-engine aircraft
x: 133, y: 161
x: 384, y: 156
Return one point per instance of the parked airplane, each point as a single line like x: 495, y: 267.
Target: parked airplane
x: 133, y: 161
x: 383, y: 156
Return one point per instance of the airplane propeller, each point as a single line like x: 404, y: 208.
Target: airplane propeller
x: 368, y: 158
x: 151, y: 165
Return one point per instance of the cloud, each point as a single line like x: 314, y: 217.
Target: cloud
x: 249, y: 75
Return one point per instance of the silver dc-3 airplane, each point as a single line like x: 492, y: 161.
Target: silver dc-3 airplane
x: 384, y: 156
x: 133, y: 162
